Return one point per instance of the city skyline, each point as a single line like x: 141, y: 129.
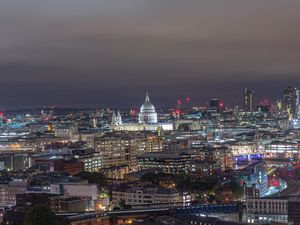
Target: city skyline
x: 181, y: 100
x: 149, y: 112
x: 101, y: 54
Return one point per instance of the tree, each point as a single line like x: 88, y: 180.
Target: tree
x: 122, y: 204
x: 184, y: 181
x: 93, y: 177
x: 183, y: 127
x: 150, y: 177
x: 236, y: 189
x: 154, y: 178
x: 40, y: 215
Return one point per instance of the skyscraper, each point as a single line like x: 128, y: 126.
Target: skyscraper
x: 214, y: 104
x: 248, y: 100
x: 297, y: 94
x: 290, y: 100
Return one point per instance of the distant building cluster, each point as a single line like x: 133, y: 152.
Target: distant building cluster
x: 188, y: 164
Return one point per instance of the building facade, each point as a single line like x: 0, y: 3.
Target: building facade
x: 119, y: 149
x: 248, y: 100
x: 136, y: 196
x: 167, y: 161
x: 264, y: 210
x: 291, y: 100
x: 9, y: 191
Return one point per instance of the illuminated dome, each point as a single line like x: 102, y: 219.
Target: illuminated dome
x: 147, y: 107
x: 147, y: 112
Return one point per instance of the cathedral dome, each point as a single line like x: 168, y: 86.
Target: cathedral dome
x: 147, y: 107
x: 147, y: 112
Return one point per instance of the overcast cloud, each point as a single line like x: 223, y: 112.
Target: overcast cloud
x: 110, y: 52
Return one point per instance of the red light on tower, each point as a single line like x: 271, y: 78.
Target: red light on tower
x: 221, y: 105
x: 179, y: 102
x: 188, y: 99
x: 265, y: 102
x: 133, y: 112
x: 1, y: 118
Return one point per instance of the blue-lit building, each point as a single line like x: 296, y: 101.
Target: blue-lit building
x: 254, y: 174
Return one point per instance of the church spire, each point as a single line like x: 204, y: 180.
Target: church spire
x: 113, y: 118
x: 119, y: 118
x: 147, y: 97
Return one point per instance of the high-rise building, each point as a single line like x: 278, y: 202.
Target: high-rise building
x: 1, y: 118
x: 278, y: 106
x: 248, y: 100
x: 290, y: 100
x: 214, y: 104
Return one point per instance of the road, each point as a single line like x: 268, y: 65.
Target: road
x: 293, y: 185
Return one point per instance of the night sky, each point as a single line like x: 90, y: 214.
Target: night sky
x: 110, y: 52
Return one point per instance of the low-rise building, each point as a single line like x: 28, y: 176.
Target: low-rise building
x: 294, y: 210
x: 15, y: 162
x: 282, y: 150
x: 167, y: 161
x: 118, y: 149
x: 66, y: 130
x: 138, y: 196
x: 265, y: 210
x: 254, y: 175
x: 83, y: 190
x: 221, y: 154
x: 201, y: 168
x: 27, y: 200
x: 92, y: 162
x: 115, y: 172
x: 9, y: 191
x: 72, y: 167
x: 69, y: 204
x: 88, y: 218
